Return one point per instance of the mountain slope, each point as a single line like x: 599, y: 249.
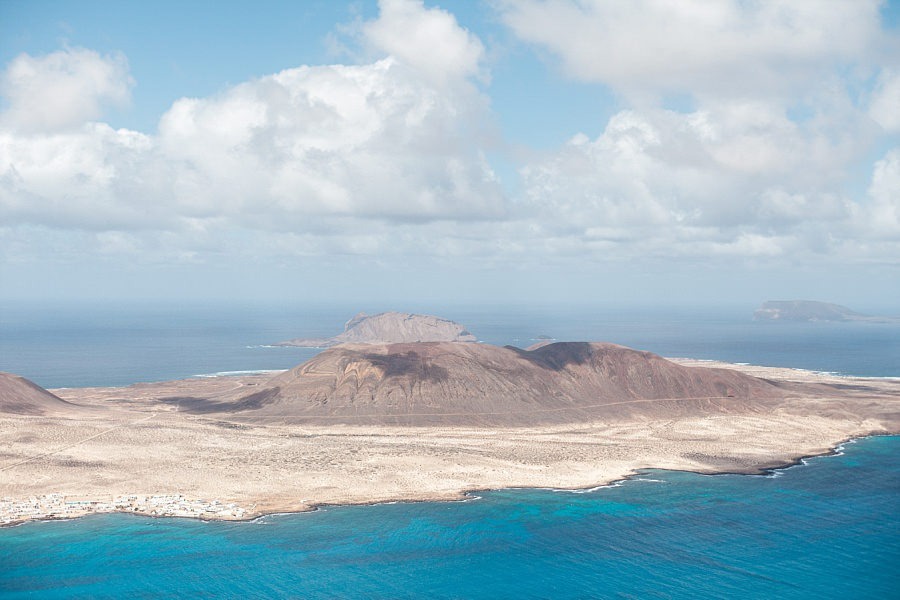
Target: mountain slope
x: 23, y: 397
x: 423, y: 383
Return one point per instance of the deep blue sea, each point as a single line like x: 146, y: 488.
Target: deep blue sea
x: 829, y: 528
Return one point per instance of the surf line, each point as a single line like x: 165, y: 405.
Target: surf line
x: 72, y: 445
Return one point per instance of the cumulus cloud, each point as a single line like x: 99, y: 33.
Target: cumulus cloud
x: 366, y: 141
x: 384, y: 158
x: 93, y: 177
x: 758, y: 167
x: 429, y: 40
x: 884, y: 210
x: 730, y: 48
x: 397, y: 139
x: 746, y: 182
x: 62, y: 89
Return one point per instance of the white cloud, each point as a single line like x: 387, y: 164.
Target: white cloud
x: 727, y: 48
x: 884, y: 210
x: 367, y: 141
x: 885, y: 104
x: 429, y: 40
x: 759, y: 167
x: 281, y: 152
x: 62, y: 89
x: 94, y: 177
x: 384, y: 160
x: 724, y: 181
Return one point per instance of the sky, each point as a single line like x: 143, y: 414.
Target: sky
x: 497, y: 151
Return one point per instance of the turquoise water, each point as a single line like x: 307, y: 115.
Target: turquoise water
x: 826, y: 529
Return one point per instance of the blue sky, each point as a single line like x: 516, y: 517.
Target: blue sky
x: 451, y: 151
x: 178, y: 49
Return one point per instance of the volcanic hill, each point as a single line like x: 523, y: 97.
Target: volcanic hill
x: 23, y: 397
x: 479, y: 384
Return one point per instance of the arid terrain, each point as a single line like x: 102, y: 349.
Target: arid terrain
x: 414, y: 422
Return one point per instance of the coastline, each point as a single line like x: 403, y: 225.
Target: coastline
x: 193, y: 464
x: 469, y: 495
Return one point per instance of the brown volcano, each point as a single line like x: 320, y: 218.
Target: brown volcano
x: 23, y: 397
x: 450, y: 383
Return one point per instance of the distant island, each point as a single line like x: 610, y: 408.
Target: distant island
x: 390, y: 328
x: 810, y: 310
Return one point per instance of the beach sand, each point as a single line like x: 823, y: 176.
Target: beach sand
x: 136, y: 446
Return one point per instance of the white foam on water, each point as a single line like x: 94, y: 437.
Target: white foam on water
x: 596, y: 488
x: 238, y: 373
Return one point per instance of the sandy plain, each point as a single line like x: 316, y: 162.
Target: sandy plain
x: 173, y: 463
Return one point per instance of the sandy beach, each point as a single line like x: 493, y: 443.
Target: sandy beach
x: 135, y: 454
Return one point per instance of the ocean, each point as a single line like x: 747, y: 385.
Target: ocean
x: 827, y: 528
